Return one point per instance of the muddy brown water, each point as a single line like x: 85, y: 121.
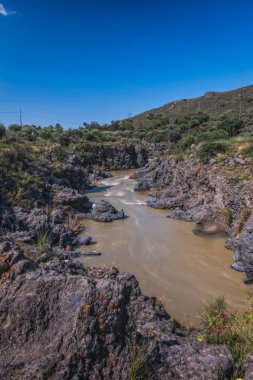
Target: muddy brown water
x: 167, y: 258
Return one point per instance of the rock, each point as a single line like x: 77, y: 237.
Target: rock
x: 3, y: 267
x: 5, y: 246
x: 68, y: 197
x: 240, y: 161
x: 57, y: 216
x: 103, y: 211
x: 212, y: 161
x: 248, y: 368
x: 243, y: 257
x: 92, y: 253
x: 73, y: 322
x: 114, y: 157
x: 83, y: 240
x: 209, y: 228
x: 99, y: 174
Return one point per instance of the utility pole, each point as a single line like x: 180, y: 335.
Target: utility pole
x: 20, y: 116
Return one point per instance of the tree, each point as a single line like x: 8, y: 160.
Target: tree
x: 2, y: 131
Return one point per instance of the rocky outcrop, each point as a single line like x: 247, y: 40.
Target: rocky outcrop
x: 66, y: 196
x: 217, y: 197
x: 243, y: 257
x: 103, y: 211
x: 114, y: 157
x: 59, y: 320
x: 72, y: 173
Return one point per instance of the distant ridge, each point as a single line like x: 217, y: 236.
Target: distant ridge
x: 231, y: 103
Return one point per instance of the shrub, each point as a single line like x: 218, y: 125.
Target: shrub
x: 228, y: 216
x: 186, y: 142
x: 59, y: 152
x: 213, y: 135
x: 43, y: 240
x: 232, y: 329
x: 231, y: 125
x: 193, y: 120
x: 28, y: 132
x: 2, y: 131
x: 210, y: 149
x: 160, y: 136
x: 247, y: 151
x: 15, y: 128
x: 45, y: 133
x: 175, y: 135
x: 140, y: 368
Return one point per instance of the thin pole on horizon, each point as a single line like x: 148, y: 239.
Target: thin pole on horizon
x: 20, y: 115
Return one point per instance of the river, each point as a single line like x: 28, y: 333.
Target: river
x: 168, y: 259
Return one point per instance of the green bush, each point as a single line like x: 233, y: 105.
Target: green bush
x: 232, y: 329
x: 228, y: 216
x: 160, y: 136
x: 45, y: 133
x: 186, y: 142
x: 15, y: 128
x: 28, y: 132
x: 192, y: 120
x: 59, y: 152
x: 231, y: 125
x: 174, y: 135
x: 213, y: 135
x: 210, y: 149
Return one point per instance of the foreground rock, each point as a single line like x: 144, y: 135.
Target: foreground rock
x: 103, y: 211
x: 59, y: 320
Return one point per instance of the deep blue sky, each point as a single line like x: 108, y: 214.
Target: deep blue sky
x: 103, y: 59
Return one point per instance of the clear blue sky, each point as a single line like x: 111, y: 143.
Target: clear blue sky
x: 103, y: 59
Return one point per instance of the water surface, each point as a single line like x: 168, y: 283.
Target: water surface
x: 168, y: 259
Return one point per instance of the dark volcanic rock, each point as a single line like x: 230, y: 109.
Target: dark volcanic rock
x: 83, y: 240
x: 248, y: 368
x: 68, y: 197
x: 115, y: 157
x: 63, y: 321
x: 243, y: 257
x: 73, y: 174
x: 103, y: 211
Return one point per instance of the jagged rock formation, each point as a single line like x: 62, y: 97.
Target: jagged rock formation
x: 59, y: 320
x: 115, y: 157
x: 216, y: 197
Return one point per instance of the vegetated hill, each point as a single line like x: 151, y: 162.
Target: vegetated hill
x: 224, y: 114
x: 230, y: 103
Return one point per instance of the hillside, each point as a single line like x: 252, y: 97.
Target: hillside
x: 238, y: 102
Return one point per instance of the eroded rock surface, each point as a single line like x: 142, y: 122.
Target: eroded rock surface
x: 59, y: 320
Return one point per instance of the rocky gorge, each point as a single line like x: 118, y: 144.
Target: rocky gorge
x: 60, y: 319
